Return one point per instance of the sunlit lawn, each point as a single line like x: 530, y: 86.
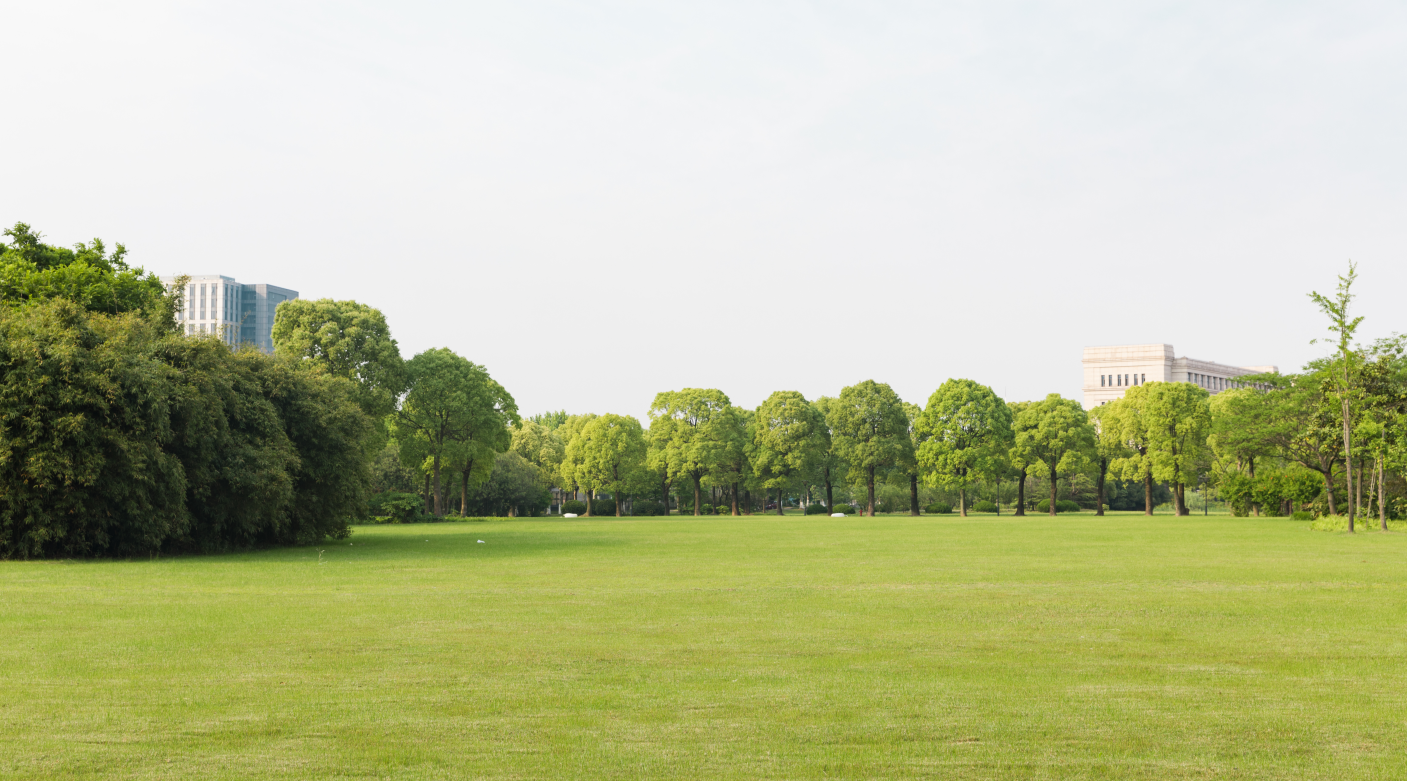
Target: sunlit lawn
x: 759, y: 647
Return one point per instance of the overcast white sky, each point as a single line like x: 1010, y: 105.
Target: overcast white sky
x: 599, y: 201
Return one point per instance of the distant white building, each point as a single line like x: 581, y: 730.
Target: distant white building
x: 237, y: 313
x: 1109, y: 371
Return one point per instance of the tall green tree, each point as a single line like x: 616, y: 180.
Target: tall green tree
x: 916, y: 439
x: 569, y: 468
x: 693, y: 433
x: 345, y: 339
x: 966, y: 429
x: 452, y: 410
x: 1108, y: 448
x: 787, y: 439
x: 610, y: 452
x: 1178, y: 416
x: 829, y: 464
x: 871, y: 432
x: 1240, y: 435
x: 1126, y: 422
x: 1055, y: 435
x: 1014, y: 459
x: 736, y: 468
x: 1344, y: 326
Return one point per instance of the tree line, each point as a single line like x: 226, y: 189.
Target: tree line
x: 120, y: 435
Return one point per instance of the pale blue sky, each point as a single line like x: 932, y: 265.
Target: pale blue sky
x: 739, y: 195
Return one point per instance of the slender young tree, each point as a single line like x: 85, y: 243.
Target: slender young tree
x: 964, y: 428
x: 1344, y: 326
x: 1178, y: 416
x: 871, y: 431
x: 1108, y: 448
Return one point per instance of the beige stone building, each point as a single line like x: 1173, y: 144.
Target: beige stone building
x: 1109, y: 371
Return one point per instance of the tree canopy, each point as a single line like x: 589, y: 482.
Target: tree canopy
x: 965, y: 432
x: 788, y: 440
x: 1054, y: 434
x: 694, y: 433
x: 345, y: 339
x: 871, y: 432
x: 453, y: 414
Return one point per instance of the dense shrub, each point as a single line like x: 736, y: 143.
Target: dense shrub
x: 939, y: 508
x: 119, y: 437
x: 984, y: 507
x: 848, y: 509
x: 396, y: 507
x: 574, y: 506
x: 648, y: 507
x: 816, y: 508
x: 1302, y: 515
x: 1061, y: 506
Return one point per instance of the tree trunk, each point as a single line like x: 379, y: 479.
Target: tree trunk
x: 1148, y: 492
x: 664, y: 493
x: 1255, y: 508
x: 439, y: 496
x: 698, y: 496
x: 1103, y: 468
x: 1329, y: 488
x: 1180, y: 504
x: 464, y: 493
x: 962, y: 501
x: 1358, y: 492
x: 1021, y: 493
x: 830, y: 505
x: 1382, y: 498
x: 1348, y: 455
x: 429, y: 497
x: 747, y: 501
x: 913, y: 494
x: 735, y: 499
x: 869, y: 483
x: 779, y: 502
x: 589, y: 494
x: 1054, y: 487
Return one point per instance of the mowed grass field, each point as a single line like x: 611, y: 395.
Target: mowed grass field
x: 760, y: 647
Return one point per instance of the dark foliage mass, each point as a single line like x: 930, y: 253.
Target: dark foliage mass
x: 120, y: 437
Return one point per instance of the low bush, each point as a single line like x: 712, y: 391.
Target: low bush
x: 817, y: 509
x: 844, y: 508
x: 574, y: 506
x: 647, y: 507
x: 1061, y: 506
x: 984, y: 507
x: 1302, y: 515
x: 1339, y: 523
x: 396, y: 507
x: 939, y: 508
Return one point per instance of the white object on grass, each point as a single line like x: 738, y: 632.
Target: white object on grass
x: 837, y: 515
x: 568, y: 515
x: 480, y: 540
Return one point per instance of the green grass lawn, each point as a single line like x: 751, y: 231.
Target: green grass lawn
x: 759, y: 647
